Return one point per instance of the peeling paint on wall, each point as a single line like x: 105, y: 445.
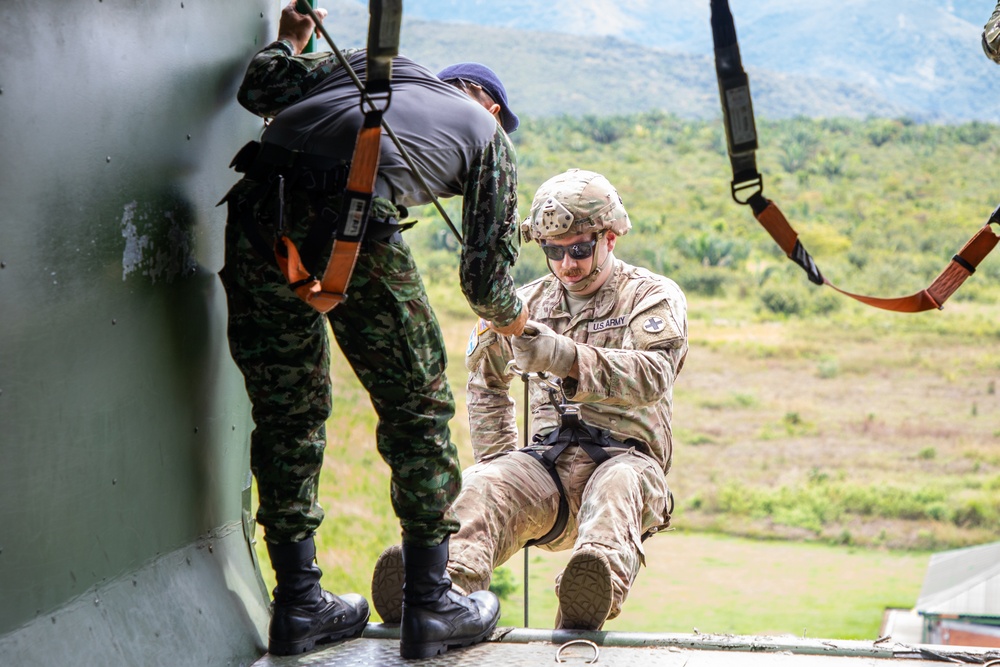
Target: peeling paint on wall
x: 158, y: 242
x: 134, y: 243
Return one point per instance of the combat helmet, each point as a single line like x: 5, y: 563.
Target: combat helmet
x: 575, y: 202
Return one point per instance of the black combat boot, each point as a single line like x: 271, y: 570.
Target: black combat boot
x: 436, y: 618
x: 303, y: 614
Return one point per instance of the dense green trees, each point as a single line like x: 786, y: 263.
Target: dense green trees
x: 881, y: 204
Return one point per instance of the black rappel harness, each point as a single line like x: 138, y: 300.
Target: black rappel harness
x: 572, y: 430
x: 747, y: 185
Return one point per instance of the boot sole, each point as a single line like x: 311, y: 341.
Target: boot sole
x: 431, y: 649
x: 585, y: 592
x: 387, y: 585
x: 306, y: 645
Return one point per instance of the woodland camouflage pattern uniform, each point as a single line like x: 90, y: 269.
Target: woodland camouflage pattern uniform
x: 632, y: 341
x: 386, y: 328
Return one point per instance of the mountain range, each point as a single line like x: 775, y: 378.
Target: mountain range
x: 919, y: 59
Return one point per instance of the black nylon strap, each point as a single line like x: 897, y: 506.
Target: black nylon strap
x: 592, y: 440
x: 958, y: 259
x: 737, y: 105
x: 562, y: 516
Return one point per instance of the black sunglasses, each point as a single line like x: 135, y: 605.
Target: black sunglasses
x: 576, y: 251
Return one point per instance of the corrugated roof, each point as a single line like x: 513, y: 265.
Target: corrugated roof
x: 963, y: 581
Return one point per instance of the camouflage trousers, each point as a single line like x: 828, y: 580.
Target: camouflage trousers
x: 392, y: 340
x: 509, y: 499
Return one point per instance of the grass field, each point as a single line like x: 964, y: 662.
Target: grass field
x: 860, y: 427
x: 720, y: 584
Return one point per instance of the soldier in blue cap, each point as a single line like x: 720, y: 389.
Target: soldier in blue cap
x: 482, y: 84
x: 457, y: 134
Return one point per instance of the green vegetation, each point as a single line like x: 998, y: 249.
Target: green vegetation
x: 800, y: 415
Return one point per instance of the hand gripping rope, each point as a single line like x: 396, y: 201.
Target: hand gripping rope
x: 747, y: 185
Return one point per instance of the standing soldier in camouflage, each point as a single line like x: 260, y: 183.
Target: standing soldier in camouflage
x: 457, y: 134
x: 617, y: 336
x: 991, y: 36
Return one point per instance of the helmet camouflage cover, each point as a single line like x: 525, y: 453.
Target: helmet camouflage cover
x: 574, y: 202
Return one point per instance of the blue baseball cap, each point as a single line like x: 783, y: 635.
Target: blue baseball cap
x: 490, y: 82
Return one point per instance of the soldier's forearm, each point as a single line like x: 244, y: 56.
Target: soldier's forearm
x: 277, y: 78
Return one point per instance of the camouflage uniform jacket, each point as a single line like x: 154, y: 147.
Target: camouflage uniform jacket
x: 631, y: 343
x: 476, y: 161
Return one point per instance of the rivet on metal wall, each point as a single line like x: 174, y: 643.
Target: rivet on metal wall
x: 3, y: 265
x: 109, y: 158
x: 189, y: 137
x: 114, y: 322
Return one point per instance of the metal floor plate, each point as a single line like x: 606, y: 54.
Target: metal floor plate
x: 379, y: 647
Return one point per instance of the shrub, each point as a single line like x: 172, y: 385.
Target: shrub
x: 503, y: 584
x: 704, y: 280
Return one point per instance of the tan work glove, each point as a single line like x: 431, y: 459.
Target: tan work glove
x: 991, y: 36
x: 544, y: 351
x: 516, y: 326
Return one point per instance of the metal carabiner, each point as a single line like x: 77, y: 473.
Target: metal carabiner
x: 551, y: 383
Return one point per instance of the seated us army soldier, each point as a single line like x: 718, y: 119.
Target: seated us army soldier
x: 595, y: 481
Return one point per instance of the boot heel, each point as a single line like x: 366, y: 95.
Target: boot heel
x: 420, y: 651
x: 290, y: 648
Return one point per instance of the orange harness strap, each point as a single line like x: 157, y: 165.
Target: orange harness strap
x: 330, y: 291
x: 747, y: 185
x: 961, y: 266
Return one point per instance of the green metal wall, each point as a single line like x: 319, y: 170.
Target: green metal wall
x: 123, y: 423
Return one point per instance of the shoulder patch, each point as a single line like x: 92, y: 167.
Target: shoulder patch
x: 653, y: 324
x: 656, y: 326
x: 480, y: 338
